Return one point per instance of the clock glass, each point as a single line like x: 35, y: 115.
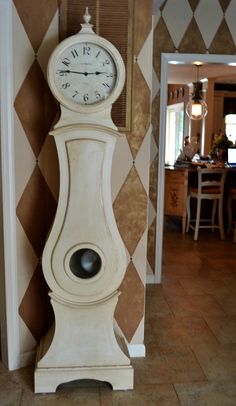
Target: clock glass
x: 85, y: 73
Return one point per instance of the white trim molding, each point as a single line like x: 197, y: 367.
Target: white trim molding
x: 137, y: 350
x: 12, y: 355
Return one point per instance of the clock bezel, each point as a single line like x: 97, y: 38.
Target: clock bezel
x: 115, y: 55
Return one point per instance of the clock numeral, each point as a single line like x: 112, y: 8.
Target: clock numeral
x: 86, y: 97
x: 65, y: 85
x: 66, y: 61
x: 98, y: 54
x: 75, y: 94
x: 86, y: 50
x: 109, y: 75
x: 74, y: 53
x: 61, y: 73
x: 106, y: 62
x: 106, y: 85
x: 97, y: 95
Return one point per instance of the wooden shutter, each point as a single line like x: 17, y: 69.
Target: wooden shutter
x: 112, y: 20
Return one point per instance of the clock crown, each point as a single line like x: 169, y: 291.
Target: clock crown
x: 86, y: 26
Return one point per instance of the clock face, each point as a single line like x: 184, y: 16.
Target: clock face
x: 85, y: 73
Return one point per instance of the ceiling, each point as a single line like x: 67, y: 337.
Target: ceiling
x: 187, y: 73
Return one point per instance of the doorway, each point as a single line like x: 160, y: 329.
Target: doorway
x: 166, y: 59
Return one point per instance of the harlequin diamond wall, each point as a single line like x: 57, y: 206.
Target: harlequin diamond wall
x: 35, y: 36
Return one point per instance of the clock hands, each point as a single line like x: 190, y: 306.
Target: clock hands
x: 82, y: 73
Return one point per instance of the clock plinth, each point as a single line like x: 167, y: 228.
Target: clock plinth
x: 84, y: 262
x: 82, y: 345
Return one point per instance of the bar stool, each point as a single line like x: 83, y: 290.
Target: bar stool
x: 210, y: 187
x: 231, y: 224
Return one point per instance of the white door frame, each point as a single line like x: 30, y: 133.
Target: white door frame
x: 165, y: 59
x: 10, y: 319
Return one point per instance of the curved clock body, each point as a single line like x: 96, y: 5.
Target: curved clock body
x: 84, y: 257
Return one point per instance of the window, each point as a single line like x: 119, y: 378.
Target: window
x: 230, y: 127
x: 174, y: 132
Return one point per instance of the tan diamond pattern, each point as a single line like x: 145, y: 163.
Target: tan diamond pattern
x: 37, y: 110
x: 130, y: 311
x: 35, y: 308
x: 36, y: 210
x: 36, y: 205
x: 35, y: 107
x: 130, y: 208
x: 141, y: 111
x: 36, y: 18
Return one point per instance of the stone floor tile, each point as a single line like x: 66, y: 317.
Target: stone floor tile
x: 228, y: 304
x: 157, y: 305
x: 63, y: 397
x: 201, y: 286
x: 217, y: 361
x: 178, y: 331
x: 167, y: 365
x: 10, y: 395
x: 207, y: 394
x: 194, y: 305
x: 148, y: 395
x: 223, y: 327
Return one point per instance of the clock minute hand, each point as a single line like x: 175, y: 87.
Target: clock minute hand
x: 82, y: 73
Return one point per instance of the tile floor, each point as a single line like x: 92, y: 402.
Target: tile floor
x: 190, y: 337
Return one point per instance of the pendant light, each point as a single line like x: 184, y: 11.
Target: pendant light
x: 196, y: 108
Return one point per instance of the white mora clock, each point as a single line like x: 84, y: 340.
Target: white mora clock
x: 84, y: 259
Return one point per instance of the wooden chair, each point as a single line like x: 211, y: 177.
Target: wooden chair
x: 231, y: 224
x: 210, y: 187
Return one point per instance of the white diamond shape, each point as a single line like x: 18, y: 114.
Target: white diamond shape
x: 121, y: 165
x: 25, y: 158
x: 208, y: 22
x: 23, y: 53
x: 142, y: 160
x: 27, y: 344
x: 153, y: 149
x: 155, y: 84
x: 151, y: 213
x: 138, y: 336
x: 145, y: 59
x: 177, y: 18
x: 50, y: 41
x: 48, y: 164
x: 26, y: 260
x: 156, y: 5
x: 230, y: 18
x: 139, y: 257
x: 155, y: 18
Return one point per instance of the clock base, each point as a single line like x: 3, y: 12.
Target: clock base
x: 47, y: 380
x: 82, y: 345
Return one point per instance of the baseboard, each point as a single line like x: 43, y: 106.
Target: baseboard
x: 137, y: 350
